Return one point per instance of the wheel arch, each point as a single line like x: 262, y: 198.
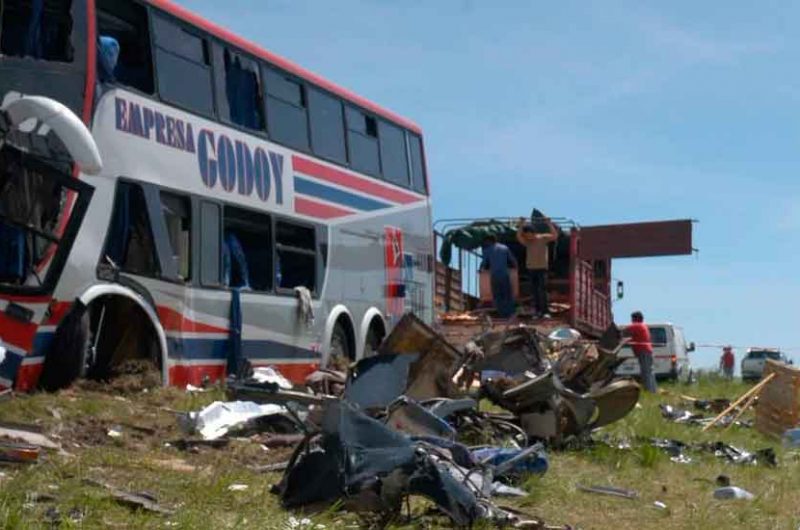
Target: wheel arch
x: 98, y: 291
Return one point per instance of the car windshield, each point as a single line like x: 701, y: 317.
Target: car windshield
x: 764, y: 354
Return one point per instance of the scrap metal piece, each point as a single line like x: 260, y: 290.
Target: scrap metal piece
x: 431, y: 375
x: 408, y: 416
x: 375, y: 382
x: 19, y: 453
x: 142, y: 501
x: 608, y: 490
x: 29, y: 434
x: 614, y: 402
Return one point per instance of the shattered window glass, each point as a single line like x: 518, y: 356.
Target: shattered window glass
x: 31, y: 209
x: 297, y: 256
x: 130, y: 245
x: 177, y: 218
x: 40, y: 29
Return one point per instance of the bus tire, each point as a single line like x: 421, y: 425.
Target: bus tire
x: 375, y: 337
x: 65, y: 361
x: 340, y: 353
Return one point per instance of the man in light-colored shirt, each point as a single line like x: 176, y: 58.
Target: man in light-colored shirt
x: 537, y: 260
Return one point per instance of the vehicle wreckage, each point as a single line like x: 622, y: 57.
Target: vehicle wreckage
x: 407, y: 421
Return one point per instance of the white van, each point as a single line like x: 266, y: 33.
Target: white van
x: 670, y: 354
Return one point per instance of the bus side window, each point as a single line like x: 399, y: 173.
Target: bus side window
x: 41, y: 29
x: 296, y: 256
x: 417, y: 165
x: 327, y: 126
x: 286, y: 110
x: 394, y: 156
x: 123, y: 48
x: 130, y: 243
x: 362, y: 140
x: 177, y: 218
x: 247, y: 250
x: 183, y: 62
x: 243, y: 102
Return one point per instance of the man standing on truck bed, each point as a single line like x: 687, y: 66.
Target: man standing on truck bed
x: 642, y: 347
x: 537, y: 260
x: 497, y: 259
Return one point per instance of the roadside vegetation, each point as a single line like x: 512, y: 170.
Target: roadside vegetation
x: 140, y: 456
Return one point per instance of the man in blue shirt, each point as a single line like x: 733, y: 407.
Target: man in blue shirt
x: 497, y: 259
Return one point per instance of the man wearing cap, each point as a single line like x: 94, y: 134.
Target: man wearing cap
x: 727, y: 362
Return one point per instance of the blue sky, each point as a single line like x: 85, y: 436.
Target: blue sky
x: 613, y: 112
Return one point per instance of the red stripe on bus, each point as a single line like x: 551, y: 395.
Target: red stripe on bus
x: 25, y: 299
x: 91, y: 62
x: 175, y: 321
x: 28, y: 376
x: 320, y: 210
x: 16, y: 333
x: 197, y: 374
x: 57, y: 312
x: 182, y: 375
x: 280, y: 62
x: 308, y: 167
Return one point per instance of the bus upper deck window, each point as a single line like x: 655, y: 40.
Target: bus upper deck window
x: 40, y: 29
x: 123, y: 50
x: 243, y: 90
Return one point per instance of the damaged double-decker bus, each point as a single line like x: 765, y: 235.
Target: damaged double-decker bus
x: 175, y: 195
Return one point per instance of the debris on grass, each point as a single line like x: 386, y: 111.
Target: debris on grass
x: 610, y: 491
x: 141, y: 500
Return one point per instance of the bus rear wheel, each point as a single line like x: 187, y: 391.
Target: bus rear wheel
x: 340, y: 354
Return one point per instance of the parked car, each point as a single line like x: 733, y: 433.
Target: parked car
x: 670, y: 354
x: 753, y: 362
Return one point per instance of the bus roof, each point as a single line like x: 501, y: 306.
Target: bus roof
x: 192, y: 18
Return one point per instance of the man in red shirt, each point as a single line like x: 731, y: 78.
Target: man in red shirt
x: 727, y: 362
x: 642, y: 347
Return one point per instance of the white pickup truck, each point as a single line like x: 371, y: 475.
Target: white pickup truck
x: 670, y: 354
x: 753, y: 362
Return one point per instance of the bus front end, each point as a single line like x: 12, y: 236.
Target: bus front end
x: 46, y: 84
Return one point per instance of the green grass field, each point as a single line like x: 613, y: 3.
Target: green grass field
x: 196, y: 484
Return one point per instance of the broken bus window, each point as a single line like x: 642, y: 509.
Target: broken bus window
x: 177, y: 218
x: 124, y: 44
x: 296, y: 255
x: 40, y: 29
x: 32, y: 203
x: 130, y: 244
x: 247, y: 252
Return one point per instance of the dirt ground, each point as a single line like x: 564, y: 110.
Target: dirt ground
x: 127, y: 435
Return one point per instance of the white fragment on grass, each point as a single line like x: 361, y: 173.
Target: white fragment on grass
x: 115, y: 432
x: 660, y: 505
x: 238, y: 487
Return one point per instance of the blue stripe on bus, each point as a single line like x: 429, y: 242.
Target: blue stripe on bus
x: 335, y: 195
x: 217, y: 349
